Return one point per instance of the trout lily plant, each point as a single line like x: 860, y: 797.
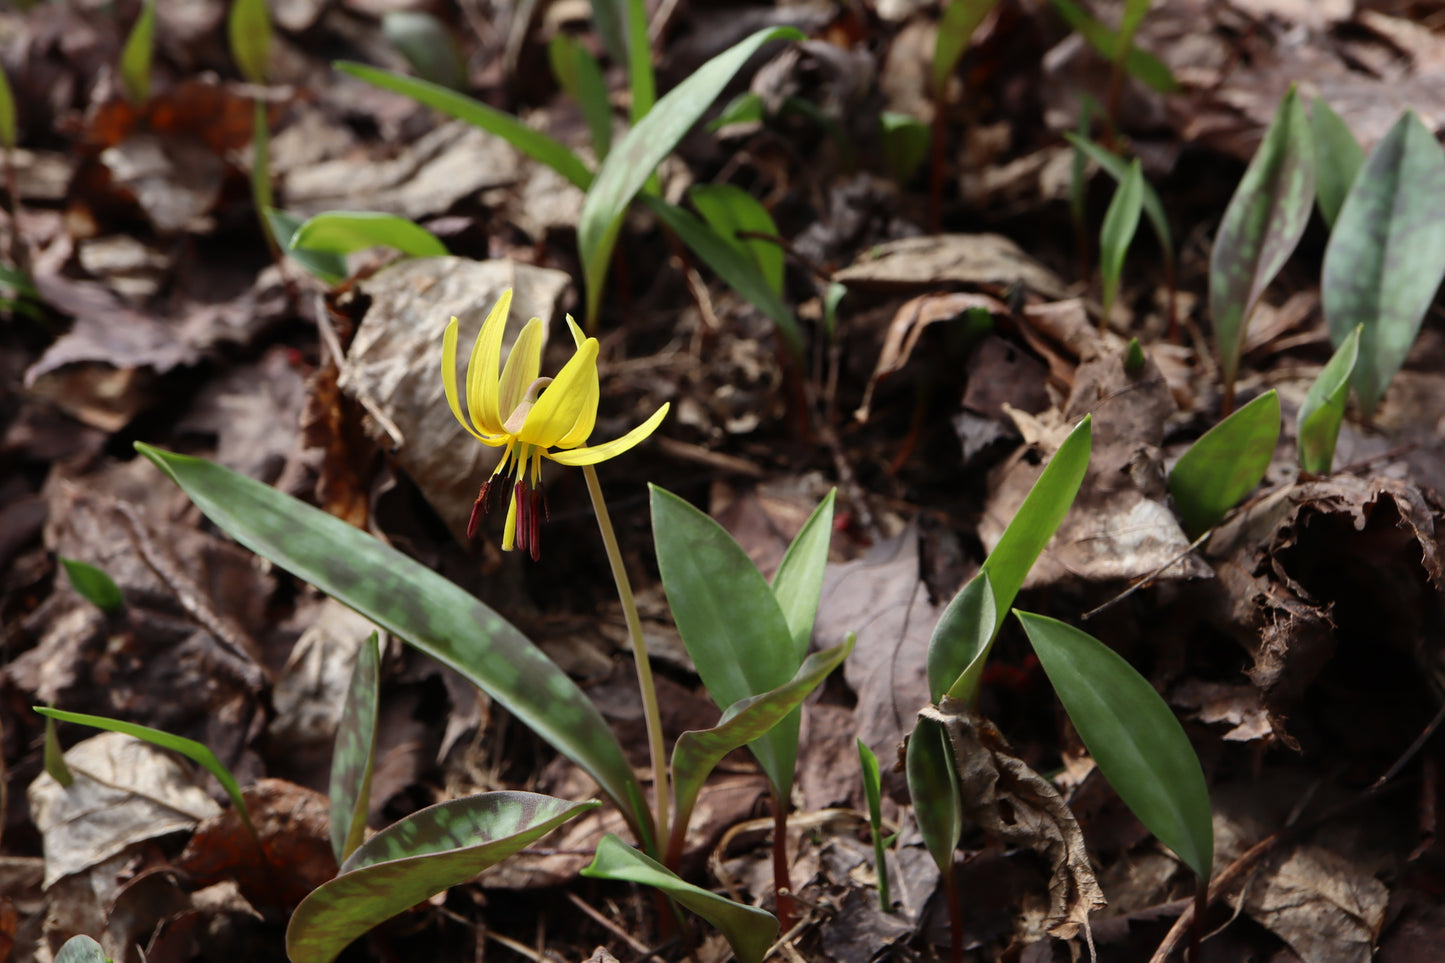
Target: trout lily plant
x: 528, y: 416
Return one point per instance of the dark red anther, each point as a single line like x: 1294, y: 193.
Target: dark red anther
x: 535, y: 507
x: 479, y: 508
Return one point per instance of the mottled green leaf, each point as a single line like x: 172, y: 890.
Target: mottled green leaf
x: 798, y: 582
x: 1137, y: 63
x: 1118, y: 168
x: 609, y: 17
x: 873, y: 792
x: 729, y: 620
x: 933, y: 788
x: 1386, y: 255
x: 533, y: 143
x: 1324, y: 408
x: 731, y: 211
x: 135, y: 56
x: 8, y: 124
x: 415, y: 858
x: 354, y: 754
x: 1261, y: 226
x: 579, y: 73
x: 1225, y: 464
x: 1117, y: 233
x: 637, y: 155
x: 54, y: 757
x: 342, y: 232
x: 698, y: 752
x: 955, y: 29
x: 409, y: 600
x: 249, y: 29
x: 748, y: 930
x: 81, y: 949
x: 905, y: 144
x: 1132, y: 734
x: 93, y: 585
x: 740, y: 273
x: 427, y: 45
x: 197, y: 752
x: 1037, y: 519
x: 1338, y: 158
x: 961, y: 640
x: 329, y: 268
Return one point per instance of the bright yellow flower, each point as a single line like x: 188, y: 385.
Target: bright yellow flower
x: 529, y: 416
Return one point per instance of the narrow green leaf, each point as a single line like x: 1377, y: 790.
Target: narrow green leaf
x: 1386, y: 255
x: 1037, y: 519
x: 1134, y: 737
x: 415, y: 858
x: 745, y: 108
x: 1324, y: 407
x: 905, y: 144
x: 798, y: 582
x: 1262, y: 224
x: 81, y: 949
x: 955, y: 29
x: 354, y: 754
x: 737, y: 271
x: 1338, y: 158
x: 961, y: 641
x: 1117, y: 168
x: 729, y: 620
x: 197, y: 752
x: 329, y: 268
x: 698, y: 752
x: 419, y: 606
x: 1134, y: 11
x: 1079, y: 168
x: 249, y: 28
x: 135, y: 56
x: 933, y: 787
x: 729, y: 210
x: 93, y: 585
x: 54, y: 757
x: 1137, y: 63
x: 873, y: 791
x: 748, y: 930
x: 533, y: 143
x: 8, y: 128
x: 1225, y: 464
x: 578, y: 73
x: 1133, y: 357
x: 1117, y: 233
x: 640, y: 78
x: 342, y: 232
x: 427, y: 45
x: 637, y: 155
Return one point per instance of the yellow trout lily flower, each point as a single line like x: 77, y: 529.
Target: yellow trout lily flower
x: 530, y: 417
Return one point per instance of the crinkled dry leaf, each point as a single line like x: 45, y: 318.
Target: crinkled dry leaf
x: 1010, y: 801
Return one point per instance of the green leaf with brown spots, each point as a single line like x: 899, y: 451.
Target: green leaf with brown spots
x: 430, y: 613
x: 1338, y: 159
x: 354, y: 754
x: 1261, y: 227
x: 416, y: 858
x: 933, y: 789
x: 1386, y: 255
x: 1323, y: 409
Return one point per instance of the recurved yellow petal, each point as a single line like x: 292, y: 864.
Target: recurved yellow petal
x: 562, y: 402
x: 586, y: 417
x: 611, y: 449
x: 523, y: 365
x: 577, y: 334
x: 482, y: 391
x: 449, y: 376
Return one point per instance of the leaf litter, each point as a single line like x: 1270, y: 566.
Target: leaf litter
x: 1300, y: 642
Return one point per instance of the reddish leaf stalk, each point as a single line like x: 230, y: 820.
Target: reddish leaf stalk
x: 782, y: 879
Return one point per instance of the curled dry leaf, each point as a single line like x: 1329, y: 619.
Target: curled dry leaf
x: 1010, y: 801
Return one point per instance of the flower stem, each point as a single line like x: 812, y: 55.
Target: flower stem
x: 639, y: 653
